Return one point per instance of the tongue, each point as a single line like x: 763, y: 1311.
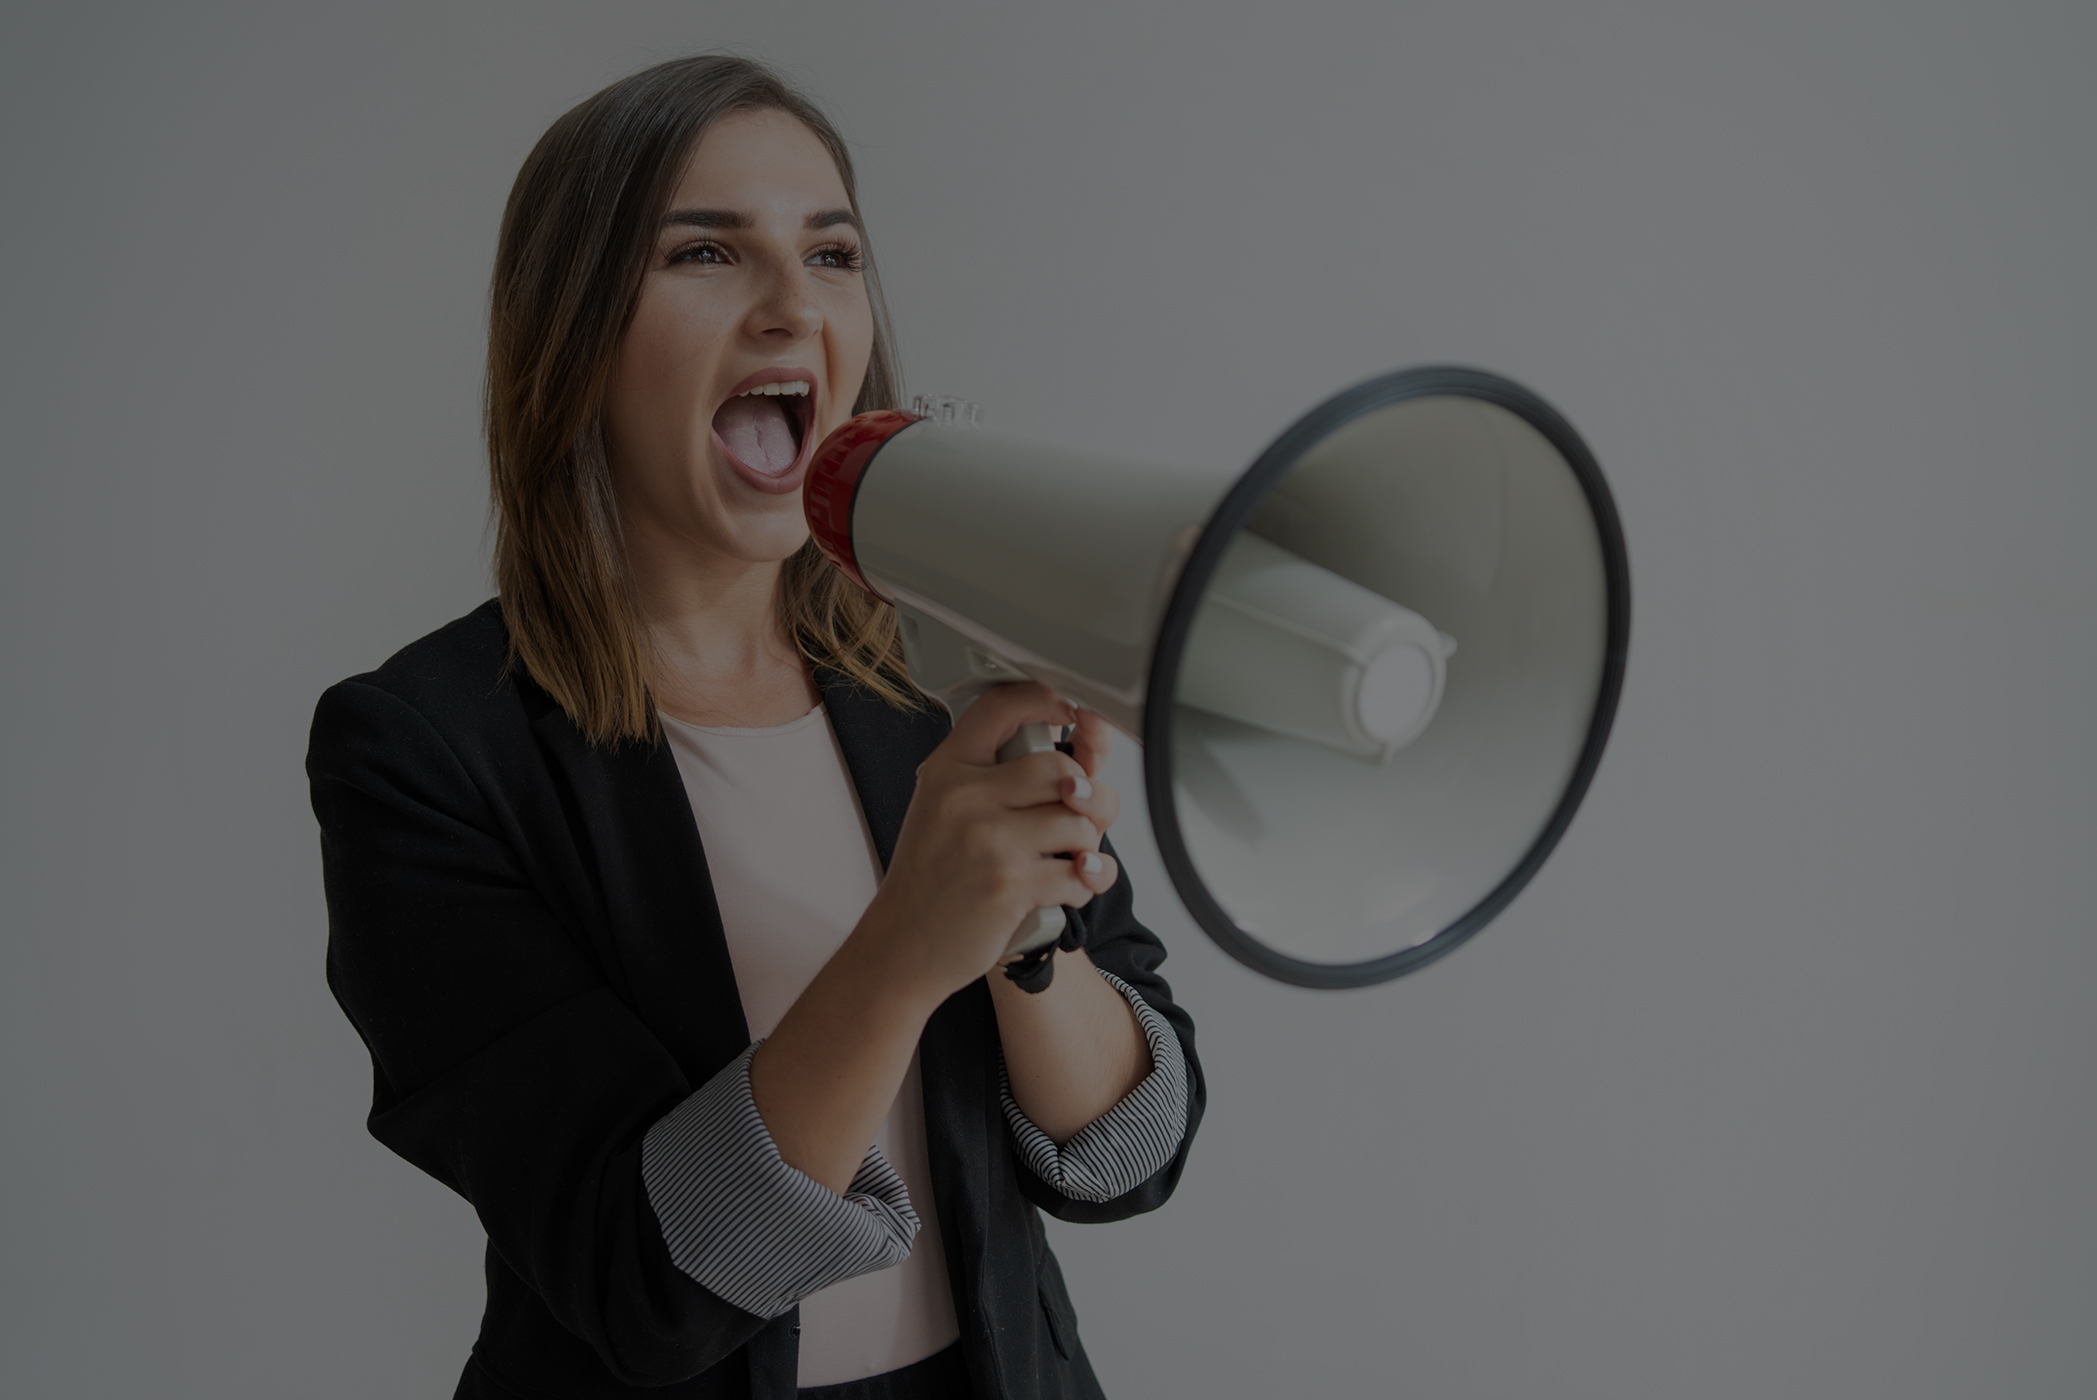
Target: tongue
x: 756, y: 431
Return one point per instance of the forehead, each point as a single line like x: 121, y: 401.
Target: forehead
x: 760, y: 162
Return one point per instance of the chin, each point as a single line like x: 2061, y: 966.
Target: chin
x: 764, y: 542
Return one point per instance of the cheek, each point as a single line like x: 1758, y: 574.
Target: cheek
x: 663, y: 355
x: 656, y: 432
x: 851, y: 350
x: 633, y: 399
x: 665, y: 361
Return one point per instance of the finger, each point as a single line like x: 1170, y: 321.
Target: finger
x: 1051, y: 831
x: 1094, y: 800
x: 1091, y: 742
x: 997, y: 715
x: 1040, y: 779
x: 1096, y: 871
x: 1075, y: 882
x: 1033, y: 779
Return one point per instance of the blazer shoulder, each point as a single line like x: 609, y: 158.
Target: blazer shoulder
x: 464, y: 661
x: 459, y: 679
x: 466, y: 656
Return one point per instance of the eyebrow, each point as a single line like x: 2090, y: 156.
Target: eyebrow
x: 729, y: 218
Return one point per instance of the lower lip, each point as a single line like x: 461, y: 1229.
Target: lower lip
x: 784, y: 484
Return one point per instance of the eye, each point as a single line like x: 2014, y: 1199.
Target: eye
x: 704, y: 251
x: 841, y: 256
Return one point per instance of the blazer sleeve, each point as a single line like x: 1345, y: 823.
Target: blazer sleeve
x: 503, y: 1063
x: 1129, y: 954
x: 1125, y: 1146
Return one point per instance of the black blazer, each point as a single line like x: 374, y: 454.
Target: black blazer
x: 521, y: 927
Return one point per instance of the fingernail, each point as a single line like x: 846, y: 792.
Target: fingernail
x: 1091, y: 864
x: 1080, y: 788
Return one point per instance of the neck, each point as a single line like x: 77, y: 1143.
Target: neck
x: 720, y: 653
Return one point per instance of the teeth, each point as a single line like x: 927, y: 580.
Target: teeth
x: 790, y: 386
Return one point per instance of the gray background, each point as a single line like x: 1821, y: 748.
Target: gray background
x: 1775, y: 1083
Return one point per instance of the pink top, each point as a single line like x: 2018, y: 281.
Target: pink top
x: 793, y: 868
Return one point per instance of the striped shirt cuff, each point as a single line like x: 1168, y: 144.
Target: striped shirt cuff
x: 748, y: 1227
x: 1125, y: 1146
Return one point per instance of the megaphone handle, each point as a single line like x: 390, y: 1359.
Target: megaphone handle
x: 1031, y: 738
x: 1043, y: 926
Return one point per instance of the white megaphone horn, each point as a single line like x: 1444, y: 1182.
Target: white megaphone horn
x: 1372, y: 675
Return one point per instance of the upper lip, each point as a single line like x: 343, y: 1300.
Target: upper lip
x: 778, y: 374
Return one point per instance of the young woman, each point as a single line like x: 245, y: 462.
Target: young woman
x: 671, y: 915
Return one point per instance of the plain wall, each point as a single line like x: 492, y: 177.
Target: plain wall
x: 1777, y: 1081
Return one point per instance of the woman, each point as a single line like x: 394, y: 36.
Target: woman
x: 586, y: 845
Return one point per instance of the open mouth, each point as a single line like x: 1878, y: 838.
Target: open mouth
x: 764, y: 428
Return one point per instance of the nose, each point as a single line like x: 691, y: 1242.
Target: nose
x: 785, y: 312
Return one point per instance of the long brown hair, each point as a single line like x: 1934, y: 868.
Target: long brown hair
x: 576, y: 238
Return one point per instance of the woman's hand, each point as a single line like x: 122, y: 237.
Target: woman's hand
x: 976, y: 850
x: 975, y: 854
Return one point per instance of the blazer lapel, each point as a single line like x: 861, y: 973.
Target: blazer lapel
x: 662, y: 944
x: 883, y: 747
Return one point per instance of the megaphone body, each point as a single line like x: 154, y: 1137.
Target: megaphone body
x: 1372, y: 674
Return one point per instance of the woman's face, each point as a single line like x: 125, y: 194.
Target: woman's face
x: 753, y: 285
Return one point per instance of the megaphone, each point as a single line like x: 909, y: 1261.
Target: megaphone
x: 1372, y: 674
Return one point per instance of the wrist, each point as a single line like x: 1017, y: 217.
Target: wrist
x: 886, y: 965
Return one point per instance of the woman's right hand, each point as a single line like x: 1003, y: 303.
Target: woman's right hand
x: 973, y: 857
x: 977, y: 846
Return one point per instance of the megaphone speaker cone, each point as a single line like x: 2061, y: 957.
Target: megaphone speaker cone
x: 1467, y: 504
